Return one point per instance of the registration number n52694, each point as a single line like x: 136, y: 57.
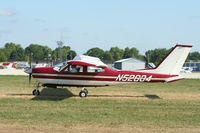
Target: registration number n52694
x: 133, y: 78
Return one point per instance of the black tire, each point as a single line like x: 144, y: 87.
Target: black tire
x: 36, y: 92
x: 83, y: 94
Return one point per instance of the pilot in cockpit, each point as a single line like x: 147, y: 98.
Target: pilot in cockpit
x: 73, y: 68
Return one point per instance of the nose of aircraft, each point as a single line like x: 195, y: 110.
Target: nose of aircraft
x: 28, y: 71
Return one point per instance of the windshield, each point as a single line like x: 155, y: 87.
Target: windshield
x: 59, y: 66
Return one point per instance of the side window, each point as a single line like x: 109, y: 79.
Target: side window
x: 92, y: 69
x: 79, y: 69
x: 74, y: 69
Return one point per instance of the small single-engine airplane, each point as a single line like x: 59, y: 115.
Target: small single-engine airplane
x: 86, y: 71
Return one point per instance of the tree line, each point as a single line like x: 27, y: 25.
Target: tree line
x: 15, y: 52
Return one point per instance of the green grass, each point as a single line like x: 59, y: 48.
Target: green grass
x: 146, y: 114
x: 113, y: 107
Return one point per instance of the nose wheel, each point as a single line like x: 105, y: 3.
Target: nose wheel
x: 83, y: 92
x: 36, y: 91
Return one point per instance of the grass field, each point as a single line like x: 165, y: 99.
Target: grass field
x: 149, y: 108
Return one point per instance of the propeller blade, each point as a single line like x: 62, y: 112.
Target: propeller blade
x: 30, y: 75
x: 30, y: 68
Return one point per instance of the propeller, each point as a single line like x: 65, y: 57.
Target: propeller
x: 30, y: 75
x: 29, y: 70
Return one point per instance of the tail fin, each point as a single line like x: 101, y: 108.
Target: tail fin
x: 173, y: 62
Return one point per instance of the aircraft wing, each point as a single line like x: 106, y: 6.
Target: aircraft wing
x: 87, y: 61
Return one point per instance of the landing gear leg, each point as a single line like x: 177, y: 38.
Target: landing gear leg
x: 36, y: 91
x: 83, y: 92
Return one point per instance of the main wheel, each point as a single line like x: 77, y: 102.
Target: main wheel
x: 83, y: 94
x: 36, y: 92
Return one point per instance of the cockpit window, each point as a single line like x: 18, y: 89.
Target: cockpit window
x: 77, y: 68
x: 60, y: 66
x: 74, y: 68
x: 92, y: 69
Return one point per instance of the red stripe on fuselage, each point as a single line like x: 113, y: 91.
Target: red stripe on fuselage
x: 75, y: 78
x: 93, y: 79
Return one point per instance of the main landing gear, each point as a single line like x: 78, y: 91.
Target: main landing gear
x: 36, y: 91
x: 83, y: 92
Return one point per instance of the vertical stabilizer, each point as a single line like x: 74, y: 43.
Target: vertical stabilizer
x: 173, y: 62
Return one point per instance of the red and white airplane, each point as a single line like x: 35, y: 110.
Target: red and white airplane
x: 86, y: 71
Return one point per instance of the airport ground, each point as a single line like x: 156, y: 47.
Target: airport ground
x: 141, y: 108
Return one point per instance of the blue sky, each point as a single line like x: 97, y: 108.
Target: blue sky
x: 84, y: 24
